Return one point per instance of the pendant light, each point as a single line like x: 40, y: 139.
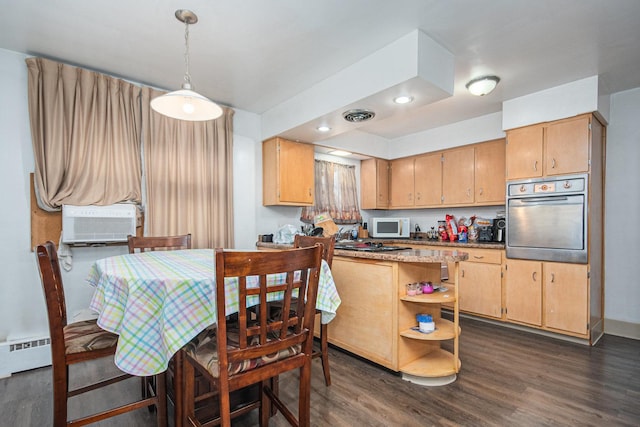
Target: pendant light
x: 185, y: 104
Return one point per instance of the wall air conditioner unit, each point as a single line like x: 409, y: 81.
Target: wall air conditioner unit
x: 98, y: 224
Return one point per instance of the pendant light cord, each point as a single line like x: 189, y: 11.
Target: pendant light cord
x: 187, y: 76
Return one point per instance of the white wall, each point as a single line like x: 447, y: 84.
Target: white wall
x: 622, y: 211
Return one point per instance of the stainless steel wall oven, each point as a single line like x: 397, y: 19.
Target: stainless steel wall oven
x: 547, y: 219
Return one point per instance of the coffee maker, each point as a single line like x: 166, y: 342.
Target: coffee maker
x: 485, y: 232
x: 499, y: 230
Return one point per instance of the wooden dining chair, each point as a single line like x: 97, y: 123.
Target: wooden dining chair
x: 328, y: 245
x: 80, y: 342
x: 253, y: 349
x: 156, y: 243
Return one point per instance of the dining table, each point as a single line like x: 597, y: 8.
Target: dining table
x: 158, y: 301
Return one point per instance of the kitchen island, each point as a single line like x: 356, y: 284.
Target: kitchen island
x: 376, y: 317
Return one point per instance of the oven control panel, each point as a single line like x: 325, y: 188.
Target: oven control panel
x: 539, y: 186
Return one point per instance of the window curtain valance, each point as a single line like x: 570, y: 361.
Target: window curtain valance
x: 85, y: 129
x: 335, y: 192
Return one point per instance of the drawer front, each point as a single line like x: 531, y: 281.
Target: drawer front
x: 487, y: 256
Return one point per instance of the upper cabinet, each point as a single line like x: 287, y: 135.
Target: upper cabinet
x: 428, y: 180
x: 287, y: 173
x: 489, y: 172
x: 556, y: 148
x: 374, y: 184
x: 401, y: 177
x: 458, y: 172
x: 463, y: 176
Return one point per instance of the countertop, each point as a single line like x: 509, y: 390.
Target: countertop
x: 411, y: 242
x: 406, y: 255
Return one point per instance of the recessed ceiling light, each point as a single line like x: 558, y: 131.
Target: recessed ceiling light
x: 483, y: 85
x: 340, y: 153
x: 404, y: 99
x: 323, y: 128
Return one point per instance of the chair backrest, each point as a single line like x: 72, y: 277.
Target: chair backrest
x: 260, y: 335
x: 328, y: 245
x: 54, y: 294
x: 143, y: 244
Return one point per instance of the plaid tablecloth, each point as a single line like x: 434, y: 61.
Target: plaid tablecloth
x: 157, y: 301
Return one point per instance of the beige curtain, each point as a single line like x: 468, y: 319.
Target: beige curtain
x: 85, y: 129
x: 188, y: 176
x: 336, y: 193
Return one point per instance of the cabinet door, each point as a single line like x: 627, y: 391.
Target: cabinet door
x: 566, y: 297
x: 524, y: 152
x: 428, y: 180
x: 480, y: 289
x: 523, y: 293
x: 296, y: 171
x: 374, y: 184
x: 490, y: 176
x: 458, y: 176
x: 402, y: 183
x: 567, y: 147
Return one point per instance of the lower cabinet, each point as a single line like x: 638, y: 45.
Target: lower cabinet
x: 376, y: 317
x: 550, y: 295
x: 481, y: 283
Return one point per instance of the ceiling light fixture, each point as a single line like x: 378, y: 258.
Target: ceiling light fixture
x: 185, y: 104
x: 340, y: 153
x: 483, y: 85
x: 404, y: 99
x: 323, y: 128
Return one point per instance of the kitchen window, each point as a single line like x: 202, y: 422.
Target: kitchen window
x: 336, y: 193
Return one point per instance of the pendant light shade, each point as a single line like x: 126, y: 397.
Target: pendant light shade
x: 185, y: 104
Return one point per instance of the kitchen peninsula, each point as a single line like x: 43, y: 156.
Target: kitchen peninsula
x: 376, y: 317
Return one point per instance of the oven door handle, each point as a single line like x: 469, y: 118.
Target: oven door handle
x: 544, y: 200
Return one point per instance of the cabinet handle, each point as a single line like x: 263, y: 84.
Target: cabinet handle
x: 310, y: 192
x: 533, y: 276
x: 478, y: 256
x: 553, y: 163
x: 535, y: 165
x: 553, y: 277
x: 481, y: 190
x: 462, y: 273
x: 417, y: 196
x: 468, y: 192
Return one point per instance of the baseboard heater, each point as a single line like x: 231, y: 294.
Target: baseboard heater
x: 22, y: 355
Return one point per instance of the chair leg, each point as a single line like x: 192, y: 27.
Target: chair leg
x: 180, y: 378
x: 324, y: 349
x: 304, y: 408
x: 161, y: 396
x: 60, y: 390
x: 265, y: 404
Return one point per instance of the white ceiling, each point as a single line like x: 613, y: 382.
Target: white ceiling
x: 256, y: 54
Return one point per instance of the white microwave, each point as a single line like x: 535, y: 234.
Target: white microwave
x: 390, y: 227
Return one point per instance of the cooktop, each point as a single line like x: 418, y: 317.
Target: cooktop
x: 368, y: 247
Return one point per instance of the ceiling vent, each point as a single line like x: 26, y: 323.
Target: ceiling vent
x: 357, y: 116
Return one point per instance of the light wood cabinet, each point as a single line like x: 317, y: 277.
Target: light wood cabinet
x: 523, y: 292
x: 465, y: 176
x: 552, y: 295
x: 566, y: 297
x: 567, y: 146
x: 489, y: 172
x: 374, y: 184
x: 428, y: 180
x: 402, y: 184
x: 458, y: 172
x: 287, y: 173
x: 481, y: 282
x: 545, y: 149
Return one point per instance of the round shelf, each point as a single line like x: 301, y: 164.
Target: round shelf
x: 434, y: 298
x: 445, y: 330
x: 439, y: 363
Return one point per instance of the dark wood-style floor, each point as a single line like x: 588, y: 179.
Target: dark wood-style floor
x: 508, y: 378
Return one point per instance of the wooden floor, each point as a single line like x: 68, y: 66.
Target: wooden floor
x: 508, y: 378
